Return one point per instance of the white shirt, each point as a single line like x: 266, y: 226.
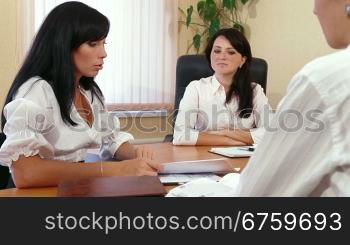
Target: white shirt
x: 203, y: 108
x: 314, y: 158
x: 34, y: 127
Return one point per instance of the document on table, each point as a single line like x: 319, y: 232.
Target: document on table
x: 232, y: 151
x: 205, y: 187
x: 184, y: 178
x: 197, y: 166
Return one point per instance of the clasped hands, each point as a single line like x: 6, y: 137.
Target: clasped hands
x: 236, y: 137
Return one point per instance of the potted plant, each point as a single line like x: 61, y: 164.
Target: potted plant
x: 212, y: 16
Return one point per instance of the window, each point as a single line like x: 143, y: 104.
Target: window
x: 141, y: 47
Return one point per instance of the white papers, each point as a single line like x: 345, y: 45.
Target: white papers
x: 184, y: 178
x: 197, y: 166
x: 205, y: 187
x: 232, y: 151
x: 230, y: 180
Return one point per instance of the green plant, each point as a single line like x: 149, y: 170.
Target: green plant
x: 213, y: 15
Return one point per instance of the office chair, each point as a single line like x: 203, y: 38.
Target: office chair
x: 4, y: 171
x: 195, y: 67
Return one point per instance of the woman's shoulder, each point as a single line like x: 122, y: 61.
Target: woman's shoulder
x: 35, y: 86
x: 33, y: 98
x: 36, y: 90
x: 200, y: 84
x: 257, y: 88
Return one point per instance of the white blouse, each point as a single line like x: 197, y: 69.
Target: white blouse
x: 34, y: 127
x: 307, y: 150
x: 203, y: 108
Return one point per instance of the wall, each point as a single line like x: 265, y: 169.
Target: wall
x: 284, y: 32
x: 8, y: 64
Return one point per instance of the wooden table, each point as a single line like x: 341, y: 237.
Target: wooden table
x: 165, y: 152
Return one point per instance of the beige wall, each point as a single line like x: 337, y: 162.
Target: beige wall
x: 8, y: 64
x: 284, y: 32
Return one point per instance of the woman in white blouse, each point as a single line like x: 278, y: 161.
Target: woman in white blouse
x: 226, y: 108
x: 54, y: 110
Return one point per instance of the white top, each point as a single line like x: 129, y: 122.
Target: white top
x: 314, y: 158
x: 203, y: 108
x: 34, y: 126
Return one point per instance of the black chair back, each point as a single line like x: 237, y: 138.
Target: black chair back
x: 4, y: 171
x: 195, y: 67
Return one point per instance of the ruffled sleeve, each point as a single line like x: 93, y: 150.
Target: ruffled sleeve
x: 112, y: 137
x: 27, y: 123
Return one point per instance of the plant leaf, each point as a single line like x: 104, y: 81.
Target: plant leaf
x: 214, y: 27
x: 197, y: 42
x: 239, y: 27
x: 229, y: 4
x: 211, y: 10
x: 207, y: 10
x: 189, y: 16
x: 200, y: 7
x: 244, y: 1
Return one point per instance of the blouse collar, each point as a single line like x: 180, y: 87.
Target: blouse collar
x: 215, y: 84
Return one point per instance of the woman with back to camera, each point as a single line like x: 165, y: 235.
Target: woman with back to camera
x: 54, y: 110
x: 227, y: 108
x: 315, y: 159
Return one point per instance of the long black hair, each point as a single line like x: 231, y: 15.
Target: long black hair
x: 241, y: 86
x: 65, y: 28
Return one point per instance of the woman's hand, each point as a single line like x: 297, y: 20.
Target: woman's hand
x: 144, y: 152
x: 138, y: 167
x: 128, y: 151
x: 141, y: 162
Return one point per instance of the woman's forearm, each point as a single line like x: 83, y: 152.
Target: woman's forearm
x: 240, y: 135
x: 37, y: 172
x: 213, y: 139
x: 125, y: 152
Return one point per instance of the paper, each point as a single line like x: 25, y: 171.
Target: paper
x: 198, y: 166
x: 205, y: 187
x: 231, y: 180
x: 232, y: 151
x: 184, y: 178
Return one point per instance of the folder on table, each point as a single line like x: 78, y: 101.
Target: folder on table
x: 119, y: 186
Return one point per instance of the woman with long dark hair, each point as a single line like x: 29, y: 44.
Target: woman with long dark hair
x: 227, y: 108
x: 54, y: 110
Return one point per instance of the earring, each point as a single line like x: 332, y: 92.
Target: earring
x: 347, y: 9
